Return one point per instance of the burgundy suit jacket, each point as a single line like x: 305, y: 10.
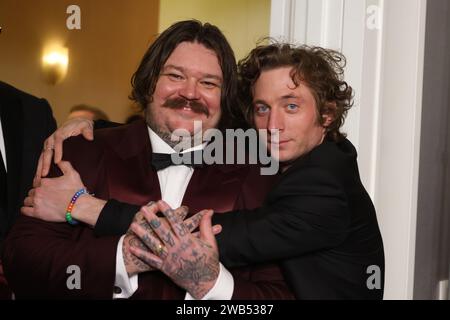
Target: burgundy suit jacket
x: 117, y: 165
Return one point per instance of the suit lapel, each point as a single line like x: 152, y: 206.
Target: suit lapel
x: 130, y: 176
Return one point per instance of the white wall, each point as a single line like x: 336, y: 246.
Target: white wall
x: 385, y: 67
x: 243, y: 22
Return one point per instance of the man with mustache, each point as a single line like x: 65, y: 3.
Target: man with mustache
x: 188, y: 74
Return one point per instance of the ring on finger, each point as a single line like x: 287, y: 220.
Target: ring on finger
x: 159, y: 249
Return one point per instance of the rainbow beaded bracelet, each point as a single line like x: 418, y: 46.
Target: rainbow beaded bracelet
x: 69, y: 218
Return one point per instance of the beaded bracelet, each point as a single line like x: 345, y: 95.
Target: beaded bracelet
x: 69, y: 218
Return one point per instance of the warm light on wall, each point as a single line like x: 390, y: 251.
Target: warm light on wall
x: 55, y: 62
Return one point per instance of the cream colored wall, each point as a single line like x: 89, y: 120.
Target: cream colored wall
x: 242, y: 21
x: 103, y: 54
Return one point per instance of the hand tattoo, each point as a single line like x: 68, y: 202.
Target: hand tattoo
x: 155, y: 223
x: 132, y: 263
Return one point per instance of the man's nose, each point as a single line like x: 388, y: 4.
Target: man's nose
x: 189, y: 90
x: 276, y: 121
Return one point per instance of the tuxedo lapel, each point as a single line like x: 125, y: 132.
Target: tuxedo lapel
x: 131, y: 151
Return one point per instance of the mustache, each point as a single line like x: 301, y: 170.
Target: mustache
x: 180, y: 103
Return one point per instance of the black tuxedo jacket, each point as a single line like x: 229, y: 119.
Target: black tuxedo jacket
x: 320, y: 222
x: 26, y: 121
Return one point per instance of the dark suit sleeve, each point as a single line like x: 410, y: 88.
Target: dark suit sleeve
x: 38, y: 256
x: 115, y: 218
x: 307, y: 211
x: 103, y: 124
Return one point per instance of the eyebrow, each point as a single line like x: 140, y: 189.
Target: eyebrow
x: 285, y: 97
x: 181, y: 69
x: 259, y: 102
x: 288, y: 96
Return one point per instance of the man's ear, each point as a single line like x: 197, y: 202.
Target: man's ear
x: 329, y: 114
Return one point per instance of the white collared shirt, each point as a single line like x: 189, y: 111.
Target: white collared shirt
x: 173, y: 182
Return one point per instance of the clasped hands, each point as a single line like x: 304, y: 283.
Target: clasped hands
x: 167, y: 243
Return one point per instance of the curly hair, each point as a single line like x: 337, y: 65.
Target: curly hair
x: 320, y: 69
x: 145, y: 78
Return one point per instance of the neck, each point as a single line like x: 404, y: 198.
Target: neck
x: 177, y: 143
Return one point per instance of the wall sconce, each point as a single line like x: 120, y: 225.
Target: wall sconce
x: 55, y: 62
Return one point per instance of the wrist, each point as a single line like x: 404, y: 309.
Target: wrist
x: 223, y: 287
x: 202, y: 291
x: 87, y: 209
x: 69, y: 218
x: 128, y: 256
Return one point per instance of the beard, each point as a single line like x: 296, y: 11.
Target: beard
x: 175, y: 104
x: 165, y: 135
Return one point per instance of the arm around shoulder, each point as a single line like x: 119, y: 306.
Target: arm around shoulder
x: 305, y: 212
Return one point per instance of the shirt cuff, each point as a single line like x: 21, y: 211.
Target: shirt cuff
x: 223, y: 288
x: 124, y: 286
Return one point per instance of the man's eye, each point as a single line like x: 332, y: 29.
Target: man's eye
x: 209, y: 85
x: 292, y: 107
x: 175, y: 76
x: 261, y: 110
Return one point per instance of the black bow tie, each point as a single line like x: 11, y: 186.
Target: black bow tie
x: 161, y: 161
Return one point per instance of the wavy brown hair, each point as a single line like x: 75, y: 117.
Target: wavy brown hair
x: 320, y: 69
x: 145, y: 78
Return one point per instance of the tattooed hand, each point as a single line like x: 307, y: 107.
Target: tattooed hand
x: 181, y: 213
x: 191, y: 262
x: 133, y: 264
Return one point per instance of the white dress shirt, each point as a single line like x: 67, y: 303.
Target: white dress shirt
x: 173, y: 182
